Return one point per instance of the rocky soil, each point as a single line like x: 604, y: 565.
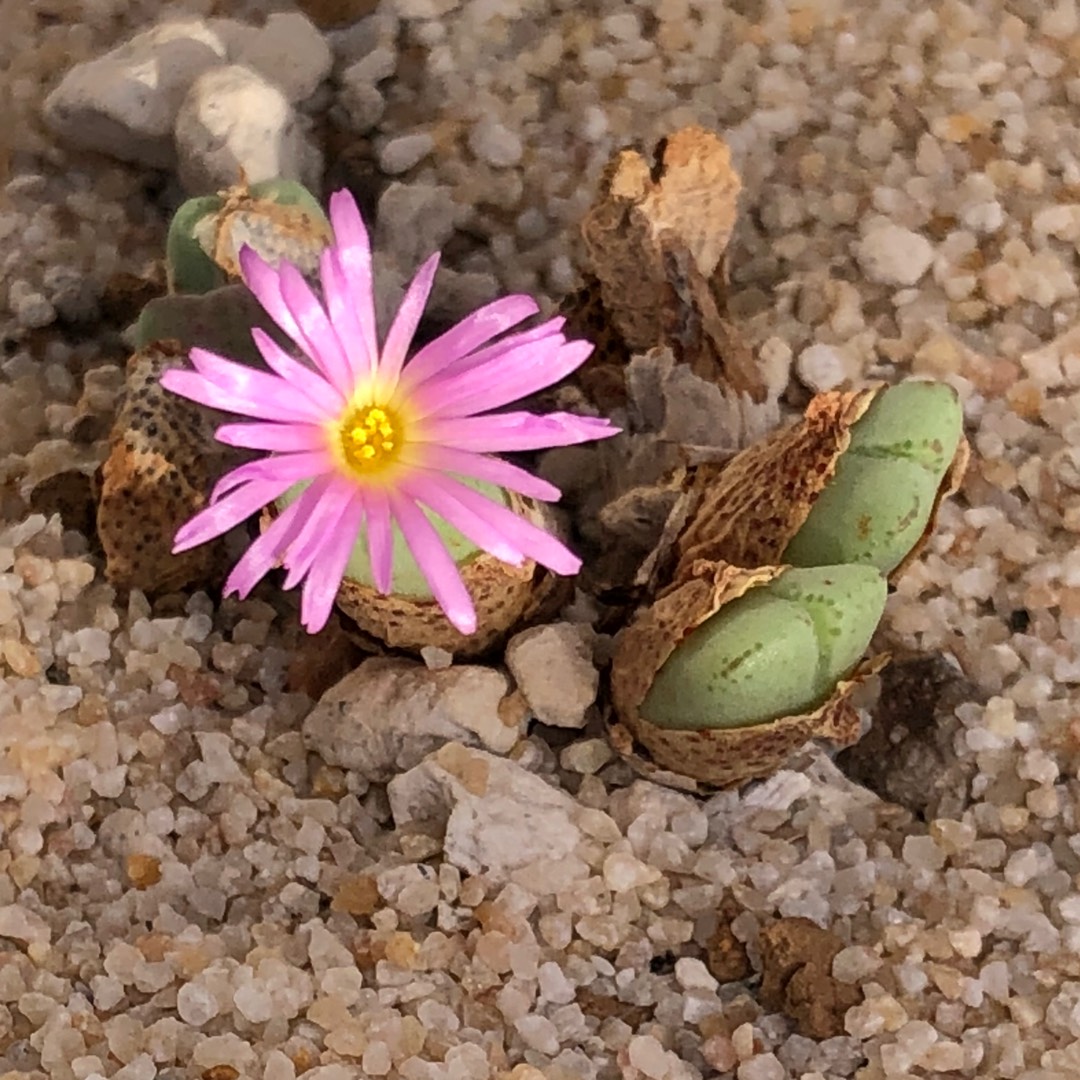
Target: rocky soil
x: 209, y: 867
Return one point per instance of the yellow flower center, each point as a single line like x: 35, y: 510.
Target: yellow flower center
x: 371, y: 438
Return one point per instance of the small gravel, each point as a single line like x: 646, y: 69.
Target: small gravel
x: 186, y: 888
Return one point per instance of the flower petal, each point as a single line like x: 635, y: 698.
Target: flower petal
x: 481, y: 467
x: 407, y: 318
x: 361, y: 346
x: 317, y: 329
x: 539, y: 545
x: 278, y: 437
x: 330, y: 499
x: 247, y: 380
x: 509, y: 377
x: 271, y: 399
x: 352, y: 258
x: 551, y: 329
x: 262, y: 279
x: 291, y: 468
x: 380, y: 540
x: 433, y: 492
x: 266, y: 550
x: 513, y: 431
x: 435, y: 563
x: 225, y: 513
x: 303, y: 378
x: 452, y: 348
x: 324, y: 578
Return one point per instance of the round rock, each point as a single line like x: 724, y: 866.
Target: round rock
x: 893, y: 255
x: 234, y: 122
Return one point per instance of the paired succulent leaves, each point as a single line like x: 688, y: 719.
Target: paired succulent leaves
x: 819, y: 516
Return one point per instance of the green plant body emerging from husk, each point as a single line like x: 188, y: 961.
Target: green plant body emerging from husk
x: 878, y: 503
x: 189, y: 255
x: 778, y: 650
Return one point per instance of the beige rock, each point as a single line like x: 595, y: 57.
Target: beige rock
x: 389, y: 714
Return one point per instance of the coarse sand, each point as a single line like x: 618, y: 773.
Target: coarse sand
x: 194, y: 883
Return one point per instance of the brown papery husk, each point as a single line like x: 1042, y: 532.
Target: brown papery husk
x: 506, y: 597
x: 749, y: 509
x: 714, y: 757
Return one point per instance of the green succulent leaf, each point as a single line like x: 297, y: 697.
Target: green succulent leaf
x: 189, y: 267
x: 778, y: 650
x: 288, y: 193
x: 219, y: 320
x: 878, y: 503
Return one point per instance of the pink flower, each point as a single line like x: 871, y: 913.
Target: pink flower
x: 377, y: 438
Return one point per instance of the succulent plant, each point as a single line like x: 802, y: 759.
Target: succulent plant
x: 280, y: 219
x: 876, y: 506
x: 777, y: 650
x: 868, y: 495
x: 220, y: 320
x: 731, y: 670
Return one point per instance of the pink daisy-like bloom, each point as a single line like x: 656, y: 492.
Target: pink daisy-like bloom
x: 378, y: 439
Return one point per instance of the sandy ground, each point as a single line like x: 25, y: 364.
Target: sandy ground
x: 188, y: 887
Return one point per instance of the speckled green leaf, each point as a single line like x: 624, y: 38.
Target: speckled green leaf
x: 877, y: 505
x: 779, y: 650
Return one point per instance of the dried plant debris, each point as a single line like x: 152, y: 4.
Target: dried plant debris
x: 725, y: 954
x: 797, y: 977
x: 320, y: 660
x: 627, y: 493
x: 162, y: 462
x: 908, y: 755
x: 655, y: 240
x: 61, y: 478
x: 685, y: 409
x: 125, y: 294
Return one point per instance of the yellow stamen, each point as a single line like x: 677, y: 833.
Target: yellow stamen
x: 371, y: 438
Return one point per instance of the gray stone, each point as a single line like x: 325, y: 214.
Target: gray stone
x: 125, y: 102
x: 497, y: 816
x: 495, y: 144
x: 360, y: 102
x: 824, y: 367
x: 404, y: 152
x: 389, y: 714
x: 415, y: 220
x: 554, y: 670
x: 288, y: 50
x: 22, y: 924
